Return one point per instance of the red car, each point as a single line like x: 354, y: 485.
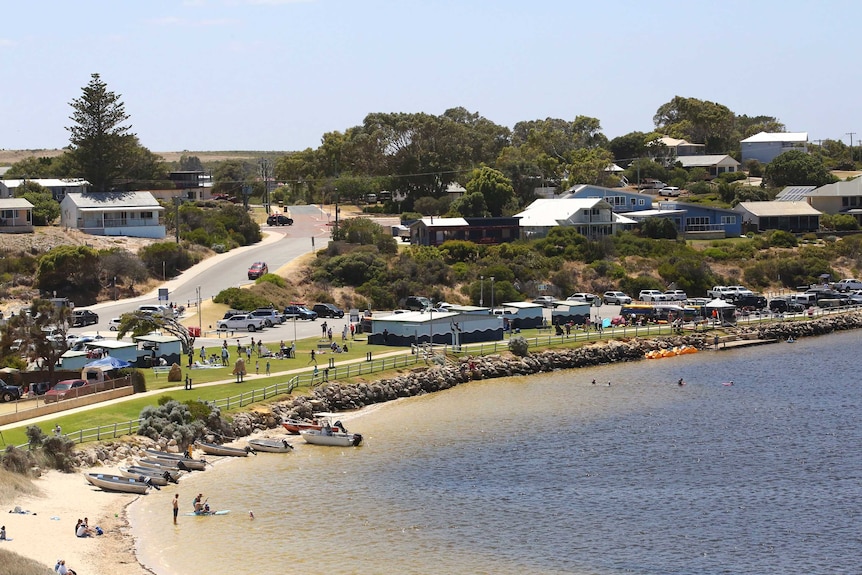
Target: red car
x: 67, y: 388
x: 257, y: 269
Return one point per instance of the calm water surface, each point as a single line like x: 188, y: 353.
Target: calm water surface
x: 552, y: 475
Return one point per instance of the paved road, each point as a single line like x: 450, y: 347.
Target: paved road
x: 281, y: 245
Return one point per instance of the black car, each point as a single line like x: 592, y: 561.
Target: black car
x: 82, y: 317
x: 327, y: 310
x: 9, y: 392
x: 417, y: 303
x: 779, y: 305
x: 299, y: 312
x: 279, y: 220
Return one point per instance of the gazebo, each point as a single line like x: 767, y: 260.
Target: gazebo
x: 721, y: 310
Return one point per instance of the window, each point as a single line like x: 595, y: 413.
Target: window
x: 7, y: 214
x: 146, y: 215
x: 728, y: 219
x: 697, y: 221
x: 641, y: 202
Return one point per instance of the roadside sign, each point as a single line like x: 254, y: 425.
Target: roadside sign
x: 163, y: 294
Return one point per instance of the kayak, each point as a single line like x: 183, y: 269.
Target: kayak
x: 206, y: 513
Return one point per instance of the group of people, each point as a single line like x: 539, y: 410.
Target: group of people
x: 61, y: 568
x: 82, y: 528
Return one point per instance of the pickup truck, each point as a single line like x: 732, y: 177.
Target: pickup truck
x: 242, y: 321
x: 9, y: 392
x: 718, y: 292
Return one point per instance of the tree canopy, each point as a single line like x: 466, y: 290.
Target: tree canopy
x: 797, y: 168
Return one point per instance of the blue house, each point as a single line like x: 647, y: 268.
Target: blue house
x: 695, y: 220
x: 620, y: 200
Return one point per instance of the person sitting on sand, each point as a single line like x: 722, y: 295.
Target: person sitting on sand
x: 3, y: 533
x: 83, y: 531
x: 681, y: 382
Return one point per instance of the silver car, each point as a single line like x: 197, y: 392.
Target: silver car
x: 616, y: 297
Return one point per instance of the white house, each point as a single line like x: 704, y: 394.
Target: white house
x: 766, y: 146
x: 59, y: 187
x: 136, y: 214
x: 16, y: 216
x: 591, y: 217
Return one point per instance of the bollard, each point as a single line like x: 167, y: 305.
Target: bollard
x: 331, y: 362
x: 368, y: 356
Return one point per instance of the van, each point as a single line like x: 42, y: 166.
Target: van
x: 805, y: 299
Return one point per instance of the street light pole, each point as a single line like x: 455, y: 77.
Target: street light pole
x: 492, y: 294
x: 198, y: 290
x: 481, y: 291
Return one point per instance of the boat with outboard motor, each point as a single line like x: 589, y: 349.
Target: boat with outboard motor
x: 330, y: 438
x: 156, y: 477
x: 270, y: 445
x: 222, y: 450
x: 294, y: 426
x: 117, y: 483
x: 190, y: 462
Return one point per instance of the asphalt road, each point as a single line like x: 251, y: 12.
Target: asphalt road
x: 282, y: 244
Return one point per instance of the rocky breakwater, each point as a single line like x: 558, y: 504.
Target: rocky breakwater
x: 797, y: 329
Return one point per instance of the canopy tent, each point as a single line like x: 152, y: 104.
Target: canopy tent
x: 108, y: 362
x: 722, y: 310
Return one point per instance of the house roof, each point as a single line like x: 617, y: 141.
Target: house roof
x: 794, y: 193
x: 706, y: 161
x: 644, y: 214
x: 551, y: 212
x: 443, y: 222
x: 673, y: 142
x: 762, y: 137
x: 771, y: 209
x: 839, y: 189
x: 113, y: 200
x: 15, y: 204
x: 49, y: 182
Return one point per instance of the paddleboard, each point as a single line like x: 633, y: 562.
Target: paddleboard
x: 726, y: 383
x: 207, y: 513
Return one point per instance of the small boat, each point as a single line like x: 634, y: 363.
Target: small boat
x: 270, y: 445
x: 116, y: 483
x: 191, y: 463
x: 294, y: 426
x: 173, y: 474
x: 331, y: 438
x: 223, y: 450
x: 206, y: 513
x: 141, y: 473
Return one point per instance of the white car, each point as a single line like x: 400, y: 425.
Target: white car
x: 584, y: 297
x: 669, y: 191
x: 651, y: 295
x: 616, y: 297
x: 545, y: 300
x: 676, y: 295
x: 242, y: 321
x: 114, y: 324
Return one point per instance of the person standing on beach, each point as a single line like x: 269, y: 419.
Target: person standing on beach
x: 176, y: 504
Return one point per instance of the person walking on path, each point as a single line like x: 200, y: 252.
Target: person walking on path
x: 203, y: 354
x: 257, y: 367
x: 176, y: 504
x: 323, y: 329
x: 313, y: 358
x: 267, y: 367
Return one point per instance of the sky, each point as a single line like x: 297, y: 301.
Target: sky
x: 216, y: 75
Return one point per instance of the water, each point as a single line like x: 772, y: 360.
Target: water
x: 552, y: 475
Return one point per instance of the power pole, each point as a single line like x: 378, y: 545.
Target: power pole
x: 265, y: 176
x: 851, y: 134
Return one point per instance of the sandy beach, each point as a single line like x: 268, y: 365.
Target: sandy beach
x: 46, y: 534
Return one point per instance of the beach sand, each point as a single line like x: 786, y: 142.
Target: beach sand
x: 68, y: 496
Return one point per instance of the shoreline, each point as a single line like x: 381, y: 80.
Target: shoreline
x: 64, y: 495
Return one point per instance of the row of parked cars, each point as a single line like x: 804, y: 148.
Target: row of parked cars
x: 61, y: 390
x: 268, y: 317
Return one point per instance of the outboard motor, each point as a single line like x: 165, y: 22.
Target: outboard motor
x: 181, y: 465
x: 340, y: 426
x: 357, y: 439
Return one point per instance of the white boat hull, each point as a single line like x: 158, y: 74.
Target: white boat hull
x: 116, y: 483
x: 270, y: 445
x: 318, y: 437
x: 222, y: 450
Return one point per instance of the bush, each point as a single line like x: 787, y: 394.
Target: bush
x: 173, y: 420
x: 58, y: 451
x: 238, y: 298
x: 518, y: 346
x: 17, y: 460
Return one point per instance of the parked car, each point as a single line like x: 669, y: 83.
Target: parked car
x: 68, y: 388
x: 327, y: 310
x: 651, y: 295
x: 676, y: 295
x: 279, y: 220
x: 783, y: 305
x: 718, y: 292
x: 545, y: 300
x: 299, y: 312
x: 417, y: 303
x: 589, y: 298
x: 114, y: 324
x: 270, y: 316
x: 750, y: 302
x: 257, y: 269
x: 243, y: 321
x: 669, y: 191
x: 232, y: 312
x: 82, y: 317
x: 154, y: 309
x: 848, y: 284
x: 9, y: 392
x: 616, y: 298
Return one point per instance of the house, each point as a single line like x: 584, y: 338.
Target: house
x: 695, y: 220
x: 714, y: 164
x: 838, y: 198
x: 433, y: 231
x: 136, y: 214
x: 793, y: 217
x: 524, y: 314
x: 153, y: 346
x: 620, y: 200
x: 674, y: 147
x: 58, y: 187
x: 16, y: 216
x: 591, y: 217
x: 766, y: 146
x: 455, y: 190
x: 795, y: 193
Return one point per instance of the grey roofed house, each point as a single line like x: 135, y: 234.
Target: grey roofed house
x: 839, y: 198
x: 136, y: 214
x: 794, y: 217
x: 16, y: 215
x: 714, y: 163
x: 591, y: 217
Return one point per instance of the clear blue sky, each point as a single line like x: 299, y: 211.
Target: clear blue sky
x: 277, y: 74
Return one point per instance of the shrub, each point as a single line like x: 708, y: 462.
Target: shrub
x: 273, y: 279
x: 173, y: 420
x: 518, y: 346
x: 17, y: 460
x: 35, y: 436
x: 238, y: 298
x: 58, y: 452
